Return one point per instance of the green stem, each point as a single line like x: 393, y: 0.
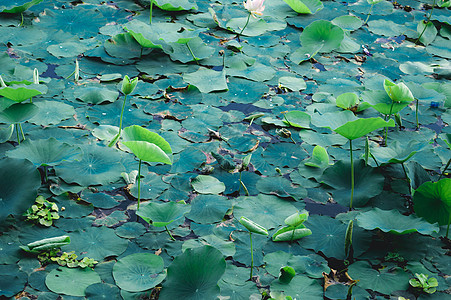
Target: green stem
x: 70, y: 75
x: 17, y: 132
x: 192, y: 54
x: 449, y: 222
x: 427, y: 22
x: 150, y: 11
x: 170, y: 235
x: 252, y: 255
x: 385, y: 136
x: 247, y: 22
x: 118, y: 135
x: 21, y: 131
x: 416, y: 114
x: 352, y: 175
x: 139, y: 183
x: 444, y: 170
x: 405, y: 173
x: 369, y: 14
x: 46, y: 173
x: 372, y: 156
x: 21, y: 22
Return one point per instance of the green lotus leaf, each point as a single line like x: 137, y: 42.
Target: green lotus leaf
x: 193, y: 50
x: 162, y: 214
x: 256, y: 26
x: 147, y: 145
x: 305, y: 6
x: 297, y: 118
x: 18, y: 6
x: 252, y: 226
x: 380, y: 101
x: 322, y: 33
x: 299, y: 286
x: 96, y: 243
x: 18, y: 113
x: 139, y: 272
x: 205, y: 184
x: 71, y: 281
x: 208, y: 208
x: 347, y: 100
x: 175, y: 5
x: 394, y: 222
x: 368, y: 182
x: 427, y: 31
x: 297, y: 219
x: 349, y: 23
x: 48, y: 152
x: 227, y: 248
x: 207, y: 80
x: 281, y: 187
x: 384, y: 281
x: 432, y: 201
x: 97, y: 165
x: 358, y: 128
x: 292, y: 83
x: 68, y: 49
x: 205, y: 266
x: 319, y: 158
x: 397, y: 152
x: 96, y: 94
x: 6, y: 133
x: 20, y: 182
x: 52, y: 113
x: 312, y: 265
x: 398, y: 92
x: 21, y: 92
x: 13, y: 280
x: 97, y: 291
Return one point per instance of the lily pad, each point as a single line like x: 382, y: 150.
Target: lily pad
x: 323, y: 34
x: 305, y: 6
x: 205, y: 184
x: 71, y: 281
x: 205, y: 266
x: 394, y: 222
x: 18, y: 113
x: 20, y: 93
x: 15, y: 7
x: 207, y: 80
x: 139, y: 272
x: 20, y: 182
x: 397, y: 153
x: 162, y: 214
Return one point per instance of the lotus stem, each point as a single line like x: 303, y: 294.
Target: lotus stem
x: 170, y: 235
x: 427, y: 22
x: 352, y: 175
x: 244, y: 186
x: 139, y: 182
x: 21, y: 131
x: 369, y: 14
x: 192, y: 54
x: 17, y: 132
x: 416, y: 114
x: 447, y: 227
x: 252, y: 256
x: 444, y: 170
x: 245, y: 25
x: 21, y: 22
x: 118, y: 135
x: 150, y: 11
x: 372, y: 156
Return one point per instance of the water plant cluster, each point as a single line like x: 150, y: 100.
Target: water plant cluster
x: 278, y: 149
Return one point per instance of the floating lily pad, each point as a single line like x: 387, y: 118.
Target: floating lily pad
x: 48, y: 152
x: 205, y: 266
x: 20, y: 182
x: 208, y: 208
x: 18, y: 113
x: 139, y: 272
x: 205, y: 184
x: 207, y: 80
x: 18, y: 6
x: 393, y: 222
x: 323, y: 34
x: 432, y: 201
x: 162, y: 214
x: 396, y: 153
x: 305, y: 6
x: 71, y: 281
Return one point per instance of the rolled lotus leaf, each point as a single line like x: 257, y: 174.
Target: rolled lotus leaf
x: 253, y: 227
x: 286, y: 274
x: 296, y: 219
x: 47, y: 244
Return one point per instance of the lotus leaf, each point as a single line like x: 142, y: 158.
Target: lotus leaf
x: 292, y: 83
x: 175, y: 5
x: 397, y: 153
x: 300, y: 286
x: 368, y: 182
x: 384, y: 281
x: 207, y: 80
x: 349, y: 23
x: 297, y: 119
x: 322, y: 33
x: 52, y: 112
x: 381, y: 102
x: 48, y: 152
x: 208, y: 208
x: 205, y: 266
x: 139, y: 272
x: 305, y: 6
x: 398, y: 92
x: 162, y: 214
x: 18, y: 6
x: 281, y: 187
x: 97, y: 291
x: 205, y: 184
x: 18, y: 113
x: 319, y: 158
x: 393, y: 222
x: 71, y: 281
x: 13, y: 280
x: 20, y: 182
x: 252, y: 226
x: 432, y: 201
x: 20, y: 93
x: 256, y: 26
